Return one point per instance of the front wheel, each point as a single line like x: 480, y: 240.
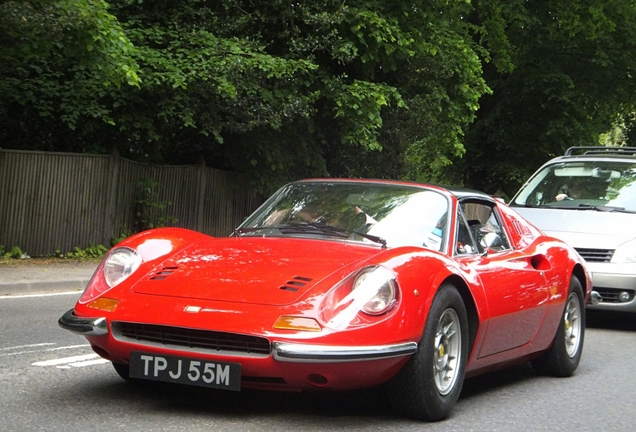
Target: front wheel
x: 563, y: 357
x: 429, y: 385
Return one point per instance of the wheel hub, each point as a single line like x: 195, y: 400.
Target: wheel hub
x: 447, y: 351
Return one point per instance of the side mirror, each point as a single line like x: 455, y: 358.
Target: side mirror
x: 491, y: 241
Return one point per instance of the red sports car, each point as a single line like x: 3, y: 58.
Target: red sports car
x: 338, y: 285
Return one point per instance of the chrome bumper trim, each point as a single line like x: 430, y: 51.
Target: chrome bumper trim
x: 83, y: 326
x: 300, y: 353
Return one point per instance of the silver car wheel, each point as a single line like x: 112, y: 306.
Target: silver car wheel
x: 573, y: 324
x: 448, y: 342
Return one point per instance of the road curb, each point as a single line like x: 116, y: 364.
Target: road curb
x: 41, y: 287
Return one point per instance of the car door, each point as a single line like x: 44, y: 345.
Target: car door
x: 516, y: 291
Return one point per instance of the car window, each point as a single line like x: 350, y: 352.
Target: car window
x: 479, y: 227
x: 581, y: 183
x: 398, y: 214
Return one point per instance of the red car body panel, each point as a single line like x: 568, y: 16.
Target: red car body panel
x: 243, y: 285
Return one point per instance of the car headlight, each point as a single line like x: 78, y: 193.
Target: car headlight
x: 625, y: 253
x: 378, y: 286
x: 372, y: 291
x: 120, y: 263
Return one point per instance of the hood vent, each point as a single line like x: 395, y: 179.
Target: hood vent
x: 163, y: 273
x: 295, y: 283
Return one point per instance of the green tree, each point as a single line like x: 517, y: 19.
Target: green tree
x: 279, y: 89
x: 571, y: 80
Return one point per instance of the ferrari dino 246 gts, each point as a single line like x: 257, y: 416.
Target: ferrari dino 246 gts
x: 340, y: 285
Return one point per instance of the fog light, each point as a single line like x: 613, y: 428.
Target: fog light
x: 623, y: 296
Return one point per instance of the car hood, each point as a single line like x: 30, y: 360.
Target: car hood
x: 257, y: 270
x: 583, y: 228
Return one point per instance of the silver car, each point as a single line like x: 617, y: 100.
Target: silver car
x: 588, y: 199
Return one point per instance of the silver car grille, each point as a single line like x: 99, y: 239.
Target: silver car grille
x: 194, y: 340
x: 596, y: 255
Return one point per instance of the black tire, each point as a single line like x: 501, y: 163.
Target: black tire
x: 420, y: 390
x: 563, y: 357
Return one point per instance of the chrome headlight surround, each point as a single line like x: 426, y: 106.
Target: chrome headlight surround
x: 377, y: 285
x: 120, y: 264
x: 372, y: 292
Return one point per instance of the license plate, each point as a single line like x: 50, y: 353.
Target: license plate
x: 185, y: 370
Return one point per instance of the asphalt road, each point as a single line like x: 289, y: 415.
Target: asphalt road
x: 51, y: 380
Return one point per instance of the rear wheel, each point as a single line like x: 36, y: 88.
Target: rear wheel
x: 563, y: 357
x: 430, y: 383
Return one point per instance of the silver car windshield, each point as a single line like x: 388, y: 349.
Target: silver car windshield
x: 392, y: 215
x: 599, y: 185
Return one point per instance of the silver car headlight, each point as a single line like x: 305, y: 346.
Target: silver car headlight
x: 121, y: 263
x: 372, y: 292
x: 377, y: 288
x: 625, y: 253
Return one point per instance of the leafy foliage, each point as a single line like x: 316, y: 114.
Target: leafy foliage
x: 469, y: 92
x: 14, y: 253
x: 571, y: 81
x: 149, y: 212
x: 91, y: 252
x: 276, y: 89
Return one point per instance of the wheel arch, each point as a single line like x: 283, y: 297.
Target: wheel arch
x: 579, y: 273
x: 471, y: 307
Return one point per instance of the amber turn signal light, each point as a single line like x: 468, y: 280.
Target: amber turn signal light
x: 104, y: 303
x: 297, y: 323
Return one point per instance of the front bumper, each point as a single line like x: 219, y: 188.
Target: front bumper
x: 616, y: 285
x: 83, y: 326
x: 281, y: 351
x: 306, y: 353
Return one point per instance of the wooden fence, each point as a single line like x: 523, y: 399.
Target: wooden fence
x: 51, y: 201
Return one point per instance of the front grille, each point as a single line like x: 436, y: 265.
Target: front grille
x: 195, y: 340
x: 610, y: 295
x: 596, y: 255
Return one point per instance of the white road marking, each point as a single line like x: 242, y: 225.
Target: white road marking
x: 68, y: 347
x: 62, y: 363
x: 26, y: 346
x: 89, y: 362
x: 58, y: 361
x: 49, y: 349
x: 74, y: 361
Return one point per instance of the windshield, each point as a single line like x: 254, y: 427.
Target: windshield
x: 580, y: 184
x: 392, y: 215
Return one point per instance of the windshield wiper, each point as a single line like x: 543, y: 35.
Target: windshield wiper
x: 333, y: 229
x: 605, y: 208
x: 310, y: 228
x: 586, y: 207
x: 244, y: 230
